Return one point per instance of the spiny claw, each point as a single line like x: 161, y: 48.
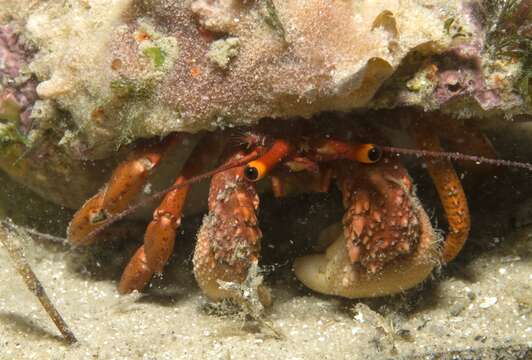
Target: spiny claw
x: 229, y: 240
x: 380, y: 223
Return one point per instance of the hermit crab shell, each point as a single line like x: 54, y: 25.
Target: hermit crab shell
x: 332, y: 273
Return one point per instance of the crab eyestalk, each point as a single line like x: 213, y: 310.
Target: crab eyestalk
x: 333, y: 149
x: 258, y: 169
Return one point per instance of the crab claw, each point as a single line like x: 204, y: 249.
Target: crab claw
x: 229, y: 241
x: 388, y: 244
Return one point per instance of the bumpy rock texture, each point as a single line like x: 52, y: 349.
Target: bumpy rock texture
x: 17, y: 91
x: 28, y: 147
x: 126, y: 69
x: 80, y: 78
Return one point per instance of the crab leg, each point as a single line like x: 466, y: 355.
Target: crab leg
x: 160, y: 234
x: 451, y: 193
x: 229, y: 240
x: 123, y: 187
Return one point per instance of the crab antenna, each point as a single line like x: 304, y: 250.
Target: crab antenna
x: 457, y: 156
x: 158, y: 195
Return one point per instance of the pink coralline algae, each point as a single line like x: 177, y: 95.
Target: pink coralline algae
x: 17, y: 87
x: 465, y: 82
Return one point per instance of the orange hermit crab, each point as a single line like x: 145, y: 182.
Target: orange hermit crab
x: 388, y: 244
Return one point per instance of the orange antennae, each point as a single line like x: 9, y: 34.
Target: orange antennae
x: 158, y: 195
x: 457, y: 156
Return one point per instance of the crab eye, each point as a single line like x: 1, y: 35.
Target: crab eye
x: 255, y: 170
x: 251, y: 173
x: 374, y: 153
x: 367, y: 153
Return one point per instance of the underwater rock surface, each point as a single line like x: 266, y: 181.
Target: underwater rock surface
x: 125, y: 69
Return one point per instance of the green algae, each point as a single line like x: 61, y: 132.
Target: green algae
x: 157, y: 56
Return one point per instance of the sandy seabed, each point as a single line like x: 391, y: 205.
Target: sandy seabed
x: 481, y: 309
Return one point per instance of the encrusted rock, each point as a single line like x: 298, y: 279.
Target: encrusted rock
x: 99, y: 74
x: 127, y: 69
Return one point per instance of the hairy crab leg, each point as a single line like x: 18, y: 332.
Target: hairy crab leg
x: 450, y: 191
x: 229, y: 241
x: 160, y: 234
x: 123, y: 187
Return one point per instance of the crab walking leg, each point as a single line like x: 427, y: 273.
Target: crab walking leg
x: 123, y: 187
x: 380, y: 223
x: 160, y: 234
x: 450, y: 191
x: 229, y: 240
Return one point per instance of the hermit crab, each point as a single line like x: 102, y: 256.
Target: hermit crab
x: 114, y: 73
x: 388, y: 243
